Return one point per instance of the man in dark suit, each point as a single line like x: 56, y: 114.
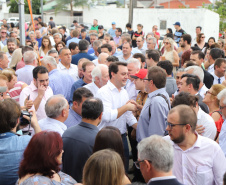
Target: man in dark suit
x: 155, y: 160
x: 79, y: 140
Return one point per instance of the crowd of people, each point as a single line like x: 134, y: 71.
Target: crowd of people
x: 71, y: 103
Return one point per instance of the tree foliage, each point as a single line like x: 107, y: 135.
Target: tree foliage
x: 36, y: 4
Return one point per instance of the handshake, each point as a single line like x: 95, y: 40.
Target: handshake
x: 133, y: 106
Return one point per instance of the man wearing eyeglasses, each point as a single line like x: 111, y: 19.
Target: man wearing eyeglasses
x: 154, y: 113
x: 222, y: 136
x: 140, y: 45
x: 197, y: 159
x: 155, y: 161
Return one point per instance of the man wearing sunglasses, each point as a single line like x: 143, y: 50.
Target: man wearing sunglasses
x: 197, y: 159
x: 3, y: 36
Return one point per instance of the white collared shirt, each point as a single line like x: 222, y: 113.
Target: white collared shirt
x: 95, y: 61
x: 113, y: 99
x: 52, y: 125
x: 211, y: 68
x: 143, y: 49
x: 131, y: 90
x: 161, y: 178
x: 92, y: 87
x: 73, y: 70
x: 9, y: 58
x: 203, y: 90
x: 33, y: 92
x: 207, y: 121
x: 215, y: 81
x: 203, y: 163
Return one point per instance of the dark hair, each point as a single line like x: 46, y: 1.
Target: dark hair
x: 9, y: 114
x: 128, y: 25
x: 139, y: 55
x: 50, y: 45
x: 41, y: 23
x: 108, y: 46
x: 88, y: 63
x: 40, y: 154
x: 199, y: 27
x: 201, y: 55
x: 75, y: 21
x: 113, y: 67
x: 12, y: 25
x: 119, y: 30
x: 158, y: 76
x: 170, y: 30
x: 109, y: 137
x: 130, y: 44
x: 198, y: 39
x: 224, y: 178
x: 112, y: 59
x: 80, y: 93
x: 170, y: 35
x: 186, y: 99
x: 26, y: 48
x: 39, y: 70
x: 51, y: 18
x: 216, y: 53
x: 186, y: 37
x: 73, y: 45
x: 64, y: 48
x: 153, y: 54
x: 63, y: 44
x: 190, y: 63
x: 99, y: 50
x: 83, y: 45
x: 92, y: 108
x: 52, y: 51
x: 218, y: 62
x: 192, y: 79
x: 63, y: 28
x: 167, y: 65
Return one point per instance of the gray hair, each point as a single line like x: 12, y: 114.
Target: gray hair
x: 96, y: 43
x: 52, y: 51
x: 55, y: 34
x: 196, y: 71
x: 157, y: 150
x: 171, y: 41
x: 31, y: 32
x: 152, y: 39
x: 135, y: 61
x: 222, y: 94
x: 96, y: 72
x: 93, y: 34
x: 29, y: 57
x: 54, y: 109
x: 49, y: 60
x: 101, y: 56
x: 180, y: 70
x: 2, y: 55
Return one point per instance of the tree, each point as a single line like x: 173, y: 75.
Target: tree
x: 63, y: 4
x: 35, y: 7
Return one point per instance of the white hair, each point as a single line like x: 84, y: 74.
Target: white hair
x: 136, y: 62
x: 49, y: 60
x: 96, y: 72
x: 29, y: 57
x: 157, y: 150
x: 196, y: 71
x: 102, y: 55
x: 222, y: 94
x: 57, y: 34
x: 171, y: 41
x: 153, y: 39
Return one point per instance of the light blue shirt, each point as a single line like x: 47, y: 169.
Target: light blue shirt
x: 73, y: 119
x: 112, y: 32
x: 74, y: 39
x: 156, y: 122
x: 122, y: 59
x: 222, y: 138
x: 25, y: 74
x: 60, y: 83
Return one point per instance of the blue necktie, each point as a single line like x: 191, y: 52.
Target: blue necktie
x: 219, y: 81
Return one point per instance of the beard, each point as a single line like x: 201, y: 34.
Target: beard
x: 11, y: 50
x: 179, y: 139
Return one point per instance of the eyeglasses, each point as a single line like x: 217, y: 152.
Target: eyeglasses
x: 138, y: 41
x: 203, y: 37
x: 147, y: 79
x: 166, y: 43
x: 171, y: 125
x: 208, y: 92
x: 222, y: 107
x: 3, y: 32
x: 137, y: 163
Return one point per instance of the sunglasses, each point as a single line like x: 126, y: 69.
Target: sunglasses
x: 222, y: 107
x: 3, y: 32
x: 171, y: 125
x: 166, y: 43
x: 137, y: 163
x: 208, y: 92
x: 203, y: 37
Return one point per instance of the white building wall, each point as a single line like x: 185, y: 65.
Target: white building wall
x: 189, y: 19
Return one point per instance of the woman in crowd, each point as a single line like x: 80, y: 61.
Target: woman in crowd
x: 212, y: 102
x: 14, y: 87
x: 42, y: 29
x: 169, y: 30
x: 136, y: 34
x: 221, y: 43
x: 46, y: 46
x: 170, y: 54
x: 59, y: 46
x: 211, y: 41
x: 201, y: 41
x: 41, y: 161
x: 104, y: 167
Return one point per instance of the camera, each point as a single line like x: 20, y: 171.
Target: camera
x: 24, y: 121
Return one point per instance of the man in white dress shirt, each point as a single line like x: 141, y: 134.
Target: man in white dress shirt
x: 117, y: 107
x: 57, y: 109
x: 197, y: 159
x: 219, y: 71
x: 66, y: 65
x: 100, y: 77
x: 215, y: 53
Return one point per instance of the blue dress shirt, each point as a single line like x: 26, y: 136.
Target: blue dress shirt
x: 76, y: 85
x: 25, y: 74
x: 77, y: 57
x: 73, y: 119
x: 74, y: 39
x: 60, y: 83
x: 157, y: 122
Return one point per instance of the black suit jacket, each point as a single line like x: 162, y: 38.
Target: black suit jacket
x: 165, y: 182
x: 208, y: 79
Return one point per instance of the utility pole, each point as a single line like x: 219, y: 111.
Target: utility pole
x: 133, y: 4
x: 21, y: 22
x: 42, y: 10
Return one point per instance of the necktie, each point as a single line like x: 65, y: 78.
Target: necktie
x: 219, y: 81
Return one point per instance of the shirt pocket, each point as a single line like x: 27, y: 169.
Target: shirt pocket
x: 203, y: 175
